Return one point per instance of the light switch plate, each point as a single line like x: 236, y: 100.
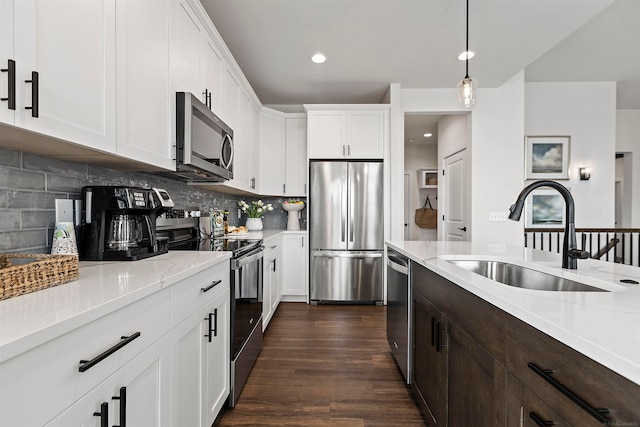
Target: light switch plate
x: 497, y: 216
x: 64, y: 210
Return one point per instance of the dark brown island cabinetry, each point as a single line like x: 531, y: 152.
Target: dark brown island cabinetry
x: 475, y: 364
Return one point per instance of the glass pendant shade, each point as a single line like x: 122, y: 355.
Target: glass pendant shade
x: 467, y: 91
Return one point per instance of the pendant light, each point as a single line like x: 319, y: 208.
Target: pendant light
x: 467, y: 86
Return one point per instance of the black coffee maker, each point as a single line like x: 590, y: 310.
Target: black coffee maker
x: 119, y: 223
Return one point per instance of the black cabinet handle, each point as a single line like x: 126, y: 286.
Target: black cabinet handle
x: 207, y: 98
x: 210, y: 319
x: 103, y: 414
x: 87, y: 364
x: 211, y: 286
x: 11, y: 84
x: 439, y: 330
x: 215, y: 322
x: 546, y: 375
x: 35, y: 87
x: 433, y: 331
x: 542, y: 423
x: 123, y: 406
x: 462, y: 229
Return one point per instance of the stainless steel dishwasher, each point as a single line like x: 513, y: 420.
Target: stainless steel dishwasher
x: 399, y: 300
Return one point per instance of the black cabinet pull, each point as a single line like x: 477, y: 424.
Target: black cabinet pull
x: 211, y: 286
x: 545, y: 374
x: 103, y: 414
x: 542, y: 423
x: 11, y: 84
x: 439, y: 330
x: 35, y: 87
x: 207, y: 98
x: 433, y: 331
x: 87, y: 364
x: 215, y: 322
x: 123, y: 406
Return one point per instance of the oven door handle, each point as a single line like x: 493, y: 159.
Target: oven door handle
x: 247, y: 259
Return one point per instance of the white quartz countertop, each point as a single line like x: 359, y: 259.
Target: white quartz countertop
x: 267, y: 235
x: 29, y: 320
x: 605, y: 326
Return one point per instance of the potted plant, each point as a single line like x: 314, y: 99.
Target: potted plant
x: 254, y: 212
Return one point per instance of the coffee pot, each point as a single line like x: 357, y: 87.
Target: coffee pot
x: 119, y: 223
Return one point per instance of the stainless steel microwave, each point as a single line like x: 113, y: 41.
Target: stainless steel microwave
x: 204, y: 143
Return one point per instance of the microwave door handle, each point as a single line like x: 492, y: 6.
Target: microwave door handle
x: 226, y: 140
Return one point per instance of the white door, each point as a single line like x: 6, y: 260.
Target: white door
x: 456, y: 198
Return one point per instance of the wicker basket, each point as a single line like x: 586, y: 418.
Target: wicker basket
x: 41, y: 272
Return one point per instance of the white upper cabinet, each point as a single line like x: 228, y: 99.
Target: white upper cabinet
x: 245, y: 147
x: 211, y: 68
x: 365, y: 133
x: 65, y: 69
x: 282, y: 160
x: 272, y: 136
x: 188, y: 39
x: 145, y: 99
x: 295, y: 156
x: 338, y: 132
x: 327, y: 134
x: 230, y: 94
x: 7, y: 63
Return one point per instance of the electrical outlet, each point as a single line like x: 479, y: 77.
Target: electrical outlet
x: 497, y: 216
x: 64, y: 210
x: 239, y: 212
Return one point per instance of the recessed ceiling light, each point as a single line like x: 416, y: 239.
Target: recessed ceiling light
x: 318, y: 58
x: 410, y: 140
x: 466, y: 55
x: 428, y: 135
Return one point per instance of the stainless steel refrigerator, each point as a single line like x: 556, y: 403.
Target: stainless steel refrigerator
x: 346, y: 231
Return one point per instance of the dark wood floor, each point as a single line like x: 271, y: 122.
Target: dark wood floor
x: 325, y: 365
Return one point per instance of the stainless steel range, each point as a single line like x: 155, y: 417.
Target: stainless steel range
x: 181, y: 227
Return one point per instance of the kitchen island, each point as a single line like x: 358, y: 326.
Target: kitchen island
x: 497, y: 353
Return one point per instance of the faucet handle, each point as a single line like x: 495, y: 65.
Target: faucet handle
x: 578, y: 253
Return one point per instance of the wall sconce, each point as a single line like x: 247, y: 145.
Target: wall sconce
x: 585, y: 174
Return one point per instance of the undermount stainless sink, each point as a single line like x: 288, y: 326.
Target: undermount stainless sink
x: 523, y: 277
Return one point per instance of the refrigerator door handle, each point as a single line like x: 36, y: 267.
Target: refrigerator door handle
x: 343, y: 216
x: 352, y: 190
x: 344, y: 254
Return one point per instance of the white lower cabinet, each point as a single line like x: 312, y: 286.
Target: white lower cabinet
x: 200, y: 359
x: 53, y: 375
x: 162, y: 360
x: 136, y: 395
x: 271, y: 287
x: 294, y: 273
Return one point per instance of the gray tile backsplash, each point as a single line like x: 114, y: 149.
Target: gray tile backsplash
x: 29, y: 185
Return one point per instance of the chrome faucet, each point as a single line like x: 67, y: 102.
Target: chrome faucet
x: 570, y: 254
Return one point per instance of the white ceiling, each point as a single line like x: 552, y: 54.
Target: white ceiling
x: 371, y: 43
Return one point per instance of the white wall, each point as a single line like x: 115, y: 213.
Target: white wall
x: 628, y: 141
x: 587, y: 113
x: 497, y: 153
x: 497, y: 168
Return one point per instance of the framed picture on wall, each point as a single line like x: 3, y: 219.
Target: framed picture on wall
x: 547, y: 157
x: 545, y: 208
